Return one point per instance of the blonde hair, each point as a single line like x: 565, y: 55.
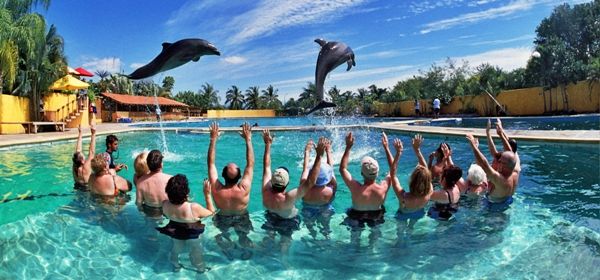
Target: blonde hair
x: 140, y: 165
x: 99, y: 163
x: 420, y: 181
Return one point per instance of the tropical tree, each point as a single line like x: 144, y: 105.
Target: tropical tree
x: 308, y: 97
x: 209, y: 96
x: 167, y: 86
x: 234, y: 98
x: 144, y: 88
x: 252, y: 100
x: 119, y: 84
x: 270, y: 98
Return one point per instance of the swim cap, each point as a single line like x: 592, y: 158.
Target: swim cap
x: 369, y: 167
x: 325, y: 175
x: 280, y: 178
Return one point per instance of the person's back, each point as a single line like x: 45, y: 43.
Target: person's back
x: 320, y: 195
x: 151, y: 187
x: 368, y: 196
x: 231, y: 199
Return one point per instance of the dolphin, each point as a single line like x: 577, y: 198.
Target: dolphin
x: 174, y: 55
x: 332, y: 55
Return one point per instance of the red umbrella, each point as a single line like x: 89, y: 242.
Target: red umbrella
x: 83, y: 72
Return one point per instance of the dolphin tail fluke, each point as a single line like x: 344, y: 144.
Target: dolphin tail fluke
x: 323, y: 104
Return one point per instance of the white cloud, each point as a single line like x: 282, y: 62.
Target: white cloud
x: 235, y: 59
x: 513, y: 7
x: 419, y: 7
x: 189, y: 10
x: 109, y: 64
x: 136, y: 65
x: 503, y: 41
x: 272, y: 15
x: 507, y: 59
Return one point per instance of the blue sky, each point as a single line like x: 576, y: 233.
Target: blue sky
x: 266, y: 42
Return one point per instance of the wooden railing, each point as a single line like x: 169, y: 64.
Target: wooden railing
x: 63, y: 113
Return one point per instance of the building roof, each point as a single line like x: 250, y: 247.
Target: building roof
x: 142, y: 100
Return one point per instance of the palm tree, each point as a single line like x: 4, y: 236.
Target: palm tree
x: 253, y: 98
x: 334, y: 94
x: 271, y: 98
x: 120, y: 84
x: 209, y: 96
x: 235, y: 98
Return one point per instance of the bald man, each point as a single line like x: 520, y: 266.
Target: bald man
x: 232, y: 197
x: 503, y: 180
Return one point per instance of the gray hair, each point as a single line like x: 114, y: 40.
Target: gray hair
x: 476, y: 174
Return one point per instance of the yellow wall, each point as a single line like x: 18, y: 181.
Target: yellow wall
x: 55, y: 102
x: 240, y: 113
x: 519, y: 102
x: 13, y: 109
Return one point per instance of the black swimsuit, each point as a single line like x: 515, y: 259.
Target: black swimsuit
x: 443, y: 211
x: 183, y: 230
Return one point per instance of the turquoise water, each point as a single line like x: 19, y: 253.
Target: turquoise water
x: 278, y: 121
x: 552, y: 231
x: 578, y: 122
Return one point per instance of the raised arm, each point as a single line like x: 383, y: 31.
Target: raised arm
x: 212, y: 168
x: 314, y: 171
x: 394, y: 167
x: 79, y: 139
x: 210, y: 206
x: 479, y: 157
x: 92, y: 148
x: 266, y: 181
x: 416, y: 144
x: 386, y: 149
x: 329, y: 153
x: 309, y: 145
x: 249, y: 170
x: 503, y: 136
x: 346, y: 176
x: 447, y: 155
x: 490, y: 141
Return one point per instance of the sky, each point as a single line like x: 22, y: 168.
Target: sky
x: 271, y: 42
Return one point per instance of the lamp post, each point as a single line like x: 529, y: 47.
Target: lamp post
x: 538, y: 55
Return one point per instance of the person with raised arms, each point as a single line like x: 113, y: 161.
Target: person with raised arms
x: 82, y: 166
x: 281, y: 214
x: 367, y: 197
x: 232, y: 197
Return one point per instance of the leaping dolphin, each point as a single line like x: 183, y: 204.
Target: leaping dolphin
x: 174, y: 55
x: 332, y: 55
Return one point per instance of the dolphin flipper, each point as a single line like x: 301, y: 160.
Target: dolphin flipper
x: 323, y: 104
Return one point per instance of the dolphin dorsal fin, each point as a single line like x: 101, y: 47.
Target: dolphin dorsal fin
x: 166, y: 45
x: 321, y: 42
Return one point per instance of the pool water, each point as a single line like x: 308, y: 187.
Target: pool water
x: 278, y: 121
x: 551, y: 231
x: 578, y: 122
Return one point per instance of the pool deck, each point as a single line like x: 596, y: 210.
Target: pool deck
x: 564, y: 136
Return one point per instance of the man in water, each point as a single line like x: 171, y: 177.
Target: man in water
x: 150, y: 192
x: 282, y: 215
x: 232, y: 197
x: 112, y: 145
x: 503, y: 180
x: 367, y: 198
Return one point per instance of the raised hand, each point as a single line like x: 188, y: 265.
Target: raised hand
x: 321, y: 145
x: 417, y: 141
x: 499, y: 127
x: 474, y: 142
x: 398, y: 145
x: 349, y: 140
x: 267, y: 137
x: 384, y: 139
x: 309, y: 145
x: 246, y: 131
x: 446, y: 151
x: 214, y: 130
x: 207, y: 186
x: 489, y: 126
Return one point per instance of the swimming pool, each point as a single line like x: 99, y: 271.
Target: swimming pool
x: 551, y: 231
x: 578, y: 122
x: 278, y: 121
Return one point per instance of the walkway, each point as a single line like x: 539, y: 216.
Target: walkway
x: 568, y: 136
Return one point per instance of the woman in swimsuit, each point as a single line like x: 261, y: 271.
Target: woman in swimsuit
x: 184, y: 225
x: 82, y: 167
x: 103, y: 183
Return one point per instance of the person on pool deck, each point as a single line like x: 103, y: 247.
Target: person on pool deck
x: 317, y: 202
x: 413, y: 202
x: 185, y: 225
x: 367, y: 198
x: 436, y: 108
x: 150, y: 191
x: 82, y: 167
x: 112, y: 145
x: 232, y: 197
x: 502, y: 181
x: 103, y: 183
x: 446, y: 199
x: 281, y: 214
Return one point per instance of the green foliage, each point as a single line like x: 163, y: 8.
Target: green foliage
x: 235, y: 98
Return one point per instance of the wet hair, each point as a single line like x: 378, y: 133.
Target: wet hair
x: 420, y: 181
x: 154, y: 160
x: 513, y: 145
x: 140, y: 164
x: 111, y: 139
x: 231, y: 181
x: 451, y: 175
x: 439, y: 152
x: 178, y: 189
x: 77, y: 156
x: 99, y: 164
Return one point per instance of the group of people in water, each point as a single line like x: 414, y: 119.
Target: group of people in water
x: 161, y: 195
